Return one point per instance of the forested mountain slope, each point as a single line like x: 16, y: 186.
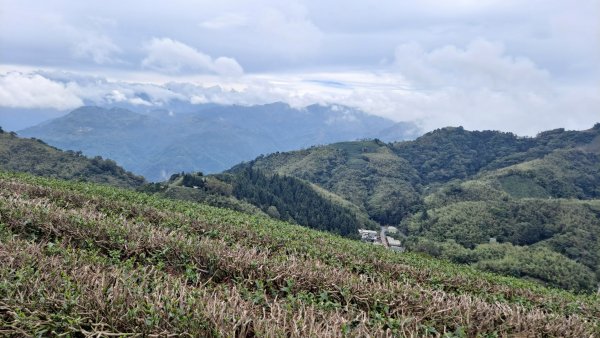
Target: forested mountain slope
x: 366, y: 173
x: 464, y: 189
x: 83, y: 259
x: 454, y: 153
x: 281, y: 197
x: 33, y: 156
x: 372, y: 173
x: 547, y: 206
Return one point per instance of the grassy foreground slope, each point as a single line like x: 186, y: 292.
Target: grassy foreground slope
x: 98, y: 260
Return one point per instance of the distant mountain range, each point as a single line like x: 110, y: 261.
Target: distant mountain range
x: 209, y: 138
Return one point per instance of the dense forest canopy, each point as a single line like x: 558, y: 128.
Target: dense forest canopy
x: 281, y: 197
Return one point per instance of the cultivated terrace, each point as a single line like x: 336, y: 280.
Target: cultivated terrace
x: 79, y: 259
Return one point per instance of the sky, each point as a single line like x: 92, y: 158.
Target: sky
x: 520, y: 66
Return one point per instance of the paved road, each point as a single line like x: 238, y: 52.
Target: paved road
x: 384, y: 238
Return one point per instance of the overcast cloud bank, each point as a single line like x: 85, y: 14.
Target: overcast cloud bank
x: 509, y: 65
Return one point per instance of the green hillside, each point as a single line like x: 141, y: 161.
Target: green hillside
x: 544, y: 211
x: 452, y: 191
x: 571, y: 173
x: 455, y: 153
x: 34, y: 156
x: 366, y: 173
x: 91, y: 260
x: 363, y: 171
x: 281, y: 197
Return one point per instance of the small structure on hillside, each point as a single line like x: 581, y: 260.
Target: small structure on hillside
x: 368, y: 235
x: 391, y: 230
x: 393, y: 242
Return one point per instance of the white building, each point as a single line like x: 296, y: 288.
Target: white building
x: 392, y: 230
x: 393, y: 242
x: 368, y: 235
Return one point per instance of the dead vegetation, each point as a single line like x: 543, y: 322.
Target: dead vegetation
x: 97, y: 264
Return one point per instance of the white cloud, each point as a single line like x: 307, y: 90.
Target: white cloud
x: 267, y: 33
x: 171, y: 56
x: 479, y: 86
x: 115, y: 96
x: 109, y: 92
x: 19, y: 90
x: 139, y: 102
x: 480, y: 64
x: 272, y: 35
x: 289, y: 32
x: 227, y: 66
x: 92, y: 89
x: 99, y: 48
x: 493, y: 105
x: 226, y: 21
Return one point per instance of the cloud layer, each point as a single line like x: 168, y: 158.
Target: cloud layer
x: 486, y: 64
x: 35, y: 91
x: 478, y: 86
x: 268, y: 35
x: 480, y: 64
x: 169, y: 56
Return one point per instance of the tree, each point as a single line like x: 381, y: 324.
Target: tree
x: 273, y: 212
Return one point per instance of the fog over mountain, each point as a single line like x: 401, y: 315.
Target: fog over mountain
x: 506, y: 65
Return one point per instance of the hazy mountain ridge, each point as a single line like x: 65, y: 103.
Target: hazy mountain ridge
x: 207, y: 138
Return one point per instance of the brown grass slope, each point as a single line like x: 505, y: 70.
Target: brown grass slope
x: 91, y: 261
